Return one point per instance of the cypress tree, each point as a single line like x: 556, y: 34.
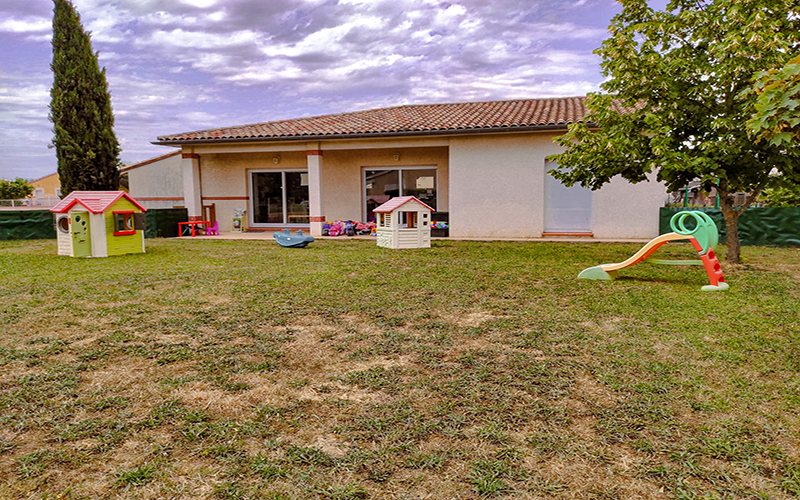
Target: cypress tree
x: 80, y: 108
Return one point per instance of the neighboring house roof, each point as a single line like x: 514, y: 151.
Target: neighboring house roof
x: 398, y: 202
x: 414, y: 119
x: 47, y: 177
x: 96, y: 202
x: 148, y: 162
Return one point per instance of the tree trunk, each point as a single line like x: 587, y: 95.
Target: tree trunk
x: 732, y: 234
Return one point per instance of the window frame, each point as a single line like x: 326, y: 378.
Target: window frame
x: 252, y: 198
x: 399, y: 171
x: 123, y: 216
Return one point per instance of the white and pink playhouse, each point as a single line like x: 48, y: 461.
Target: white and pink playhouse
x: 403, y: 222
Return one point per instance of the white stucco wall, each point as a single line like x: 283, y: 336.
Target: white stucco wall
x: 624, y: 210
x: 158, y: 184
x: 496, y: 185
x: 496, y: 191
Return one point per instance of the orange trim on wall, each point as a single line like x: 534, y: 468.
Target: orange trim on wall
x: 582, y: 235
x: 314, y: 152
x: 159, y: 199
x: 317, y: 218
x: 193, y: 156
x: 223, y: 198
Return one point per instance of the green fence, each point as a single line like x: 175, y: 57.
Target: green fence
x: 38, y: 224
x: 26, y: 225
x: 163, y: 222
x: 777, y: 226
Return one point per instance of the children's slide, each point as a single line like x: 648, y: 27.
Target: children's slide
x: 703, y: 236
x: 646, y: 251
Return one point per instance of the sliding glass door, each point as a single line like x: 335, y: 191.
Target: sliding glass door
x: 381, y: 185
x: 279, y: 198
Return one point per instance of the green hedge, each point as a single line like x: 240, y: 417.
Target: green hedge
x: 762, y: 226
x: 38, y: 224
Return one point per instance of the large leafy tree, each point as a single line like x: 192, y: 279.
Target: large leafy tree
x: 80, y: 109
x: 676, y: 102
x: 777, y: 115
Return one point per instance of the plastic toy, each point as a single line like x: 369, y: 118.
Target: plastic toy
x: 336, y: 229
x: 703, y: 236
x: 99, y: 224
x: 365, y: 229
x: 288, y: 240
x: 403, y: 222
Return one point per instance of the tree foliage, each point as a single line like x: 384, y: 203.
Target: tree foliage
x: 782, y: 193
x: 777, y: 114
x: 15, y: 190
x: 676, y: 100
x: 80, y: 108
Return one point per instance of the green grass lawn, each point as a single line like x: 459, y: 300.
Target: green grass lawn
x: 239, y: 369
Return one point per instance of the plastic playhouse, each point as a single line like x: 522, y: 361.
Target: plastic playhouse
x: 99, y: 224
x: 704, y: 237
x: 403, y: 222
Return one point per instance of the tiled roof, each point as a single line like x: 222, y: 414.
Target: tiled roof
x: 398, y: 202
x: 96, y: 202
x: 415, y: 119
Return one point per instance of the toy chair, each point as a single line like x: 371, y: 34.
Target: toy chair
x: 213, y: 230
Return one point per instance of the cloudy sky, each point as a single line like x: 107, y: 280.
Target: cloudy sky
x: 180, y: 65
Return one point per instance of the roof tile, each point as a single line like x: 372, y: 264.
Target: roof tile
x: 414, y: 118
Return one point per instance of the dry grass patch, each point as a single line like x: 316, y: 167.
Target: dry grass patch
x: 470, y: 370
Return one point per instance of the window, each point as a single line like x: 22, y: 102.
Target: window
x: 279, y: 197
x: 381, y: 185
x: 123, y: 223
x: 63, y: 224
x: 408, y: 220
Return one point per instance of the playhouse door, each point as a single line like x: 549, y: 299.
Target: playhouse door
x: 566, y: 209
x: 81, y: 239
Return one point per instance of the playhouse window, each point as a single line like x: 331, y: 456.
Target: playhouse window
x: 123, y: 223
x: 63, y: 224
x: 408, y: 220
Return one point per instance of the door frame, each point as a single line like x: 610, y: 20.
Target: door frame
x: 252, y: 197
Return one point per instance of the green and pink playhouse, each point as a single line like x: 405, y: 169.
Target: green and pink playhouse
x: 99, y: 224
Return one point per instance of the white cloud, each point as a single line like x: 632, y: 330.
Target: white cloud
x: 200, y: 40
x: 28, y: 25
x: 199, y: 118
x: 202, y: 4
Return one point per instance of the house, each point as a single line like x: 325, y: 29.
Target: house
x: 403, y: 222
x: 480, y: 163
x: 99, y: 224
x: 46, y: 191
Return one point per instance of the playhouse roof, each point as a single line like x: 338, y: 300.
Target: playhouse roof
x: 96, y: 202
x: 396, y: 203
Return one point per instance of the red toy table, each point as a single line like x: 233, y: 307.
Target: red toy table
x: 193, y: 225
